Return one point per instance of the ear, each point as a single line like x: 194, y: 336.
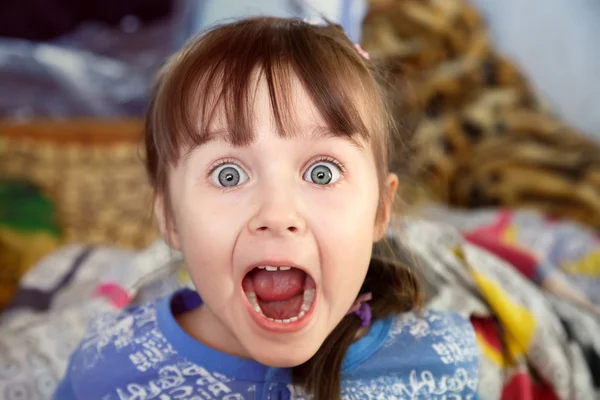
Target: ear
x: 165, y: 223
x: 386, y: 203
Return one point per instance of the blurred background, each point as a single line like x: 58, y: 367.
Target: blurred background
x: 498, y: 105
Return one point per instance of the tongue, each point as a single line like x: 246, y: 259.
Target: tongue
x: 279, y: 293
x: 275, y: 285
x: 282, y: 309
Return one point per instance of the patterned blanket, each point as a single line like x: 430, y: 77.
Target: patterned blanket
x: 554, y: 254
x: 534, y: 343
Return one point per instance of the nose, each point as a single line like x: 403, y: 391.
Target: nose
x: 278, y: 214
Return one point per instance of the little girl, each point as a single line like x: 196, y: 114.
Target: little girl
x: 267, y: 145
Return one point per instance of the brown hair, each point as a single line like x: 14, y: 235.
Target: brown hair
x: 216, y: 70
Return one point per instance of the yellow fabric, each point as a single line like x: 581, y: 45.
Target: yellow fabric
x: 18, y: 252
x: 589, y: 266
x: 518, y: 324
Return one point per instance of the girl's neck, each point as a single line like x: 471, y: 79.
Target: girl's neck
x: 202, y: 325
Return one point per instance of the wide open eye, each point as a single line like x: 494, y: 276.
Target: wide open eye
x: 228, y: 175
x: 323, y: 173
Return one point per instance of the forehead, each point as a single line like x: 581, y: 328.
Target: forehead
x: 292, y: 101
x: 289, y: 111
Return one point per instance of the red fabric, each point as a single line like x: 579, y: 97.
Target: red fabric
x: 523, y: 262
x: 521, y: 387
x: 496, y: 228
x: 518, y: 388
x: 488, y: 330
x: 489, y: 238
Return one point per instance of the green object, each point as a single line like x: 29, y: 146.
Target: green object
x: 24, y: 208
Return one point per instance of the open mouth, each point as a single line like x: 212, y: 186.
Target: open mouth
x: 281, y: 294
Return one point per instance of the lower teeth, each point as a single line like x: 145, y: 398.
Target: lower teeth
x: 307, y: 300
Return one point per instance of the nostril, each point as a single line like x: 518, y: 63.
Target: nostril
x: 276, y: 229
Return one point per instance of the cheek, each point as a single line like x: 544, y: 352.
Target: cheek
x: 344, y: 232
x: 207, y: 233
x: 347, y: 213
x: 208, y: 219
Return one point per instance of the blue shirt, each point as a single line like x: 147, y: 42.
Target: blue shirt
x: 142, y: 353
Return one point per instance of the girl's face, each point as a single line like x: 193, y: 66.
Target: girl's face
x: 277, y: 235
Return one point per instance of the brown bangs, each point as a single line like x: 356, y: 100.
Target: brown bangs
x: 217, y: 71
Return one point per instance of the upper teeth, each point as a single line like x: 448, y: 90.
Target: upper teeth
x: 271, y: 268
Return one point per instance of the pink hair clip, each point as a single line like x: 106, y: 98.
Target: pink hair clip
x: 360, y: 50
x: 361, y: 308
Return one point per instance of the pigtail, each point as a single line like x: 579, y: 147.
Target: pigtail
x: 395, y: 290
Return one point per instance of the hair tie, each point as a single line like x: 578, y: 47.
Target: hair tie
x: 361, y: 308
x: 360, y: 51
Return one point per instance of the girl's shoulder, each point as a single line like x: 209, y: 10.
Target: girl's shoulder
x: 428, y: 327
x: 115, y: 330
x: 417, y: 354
